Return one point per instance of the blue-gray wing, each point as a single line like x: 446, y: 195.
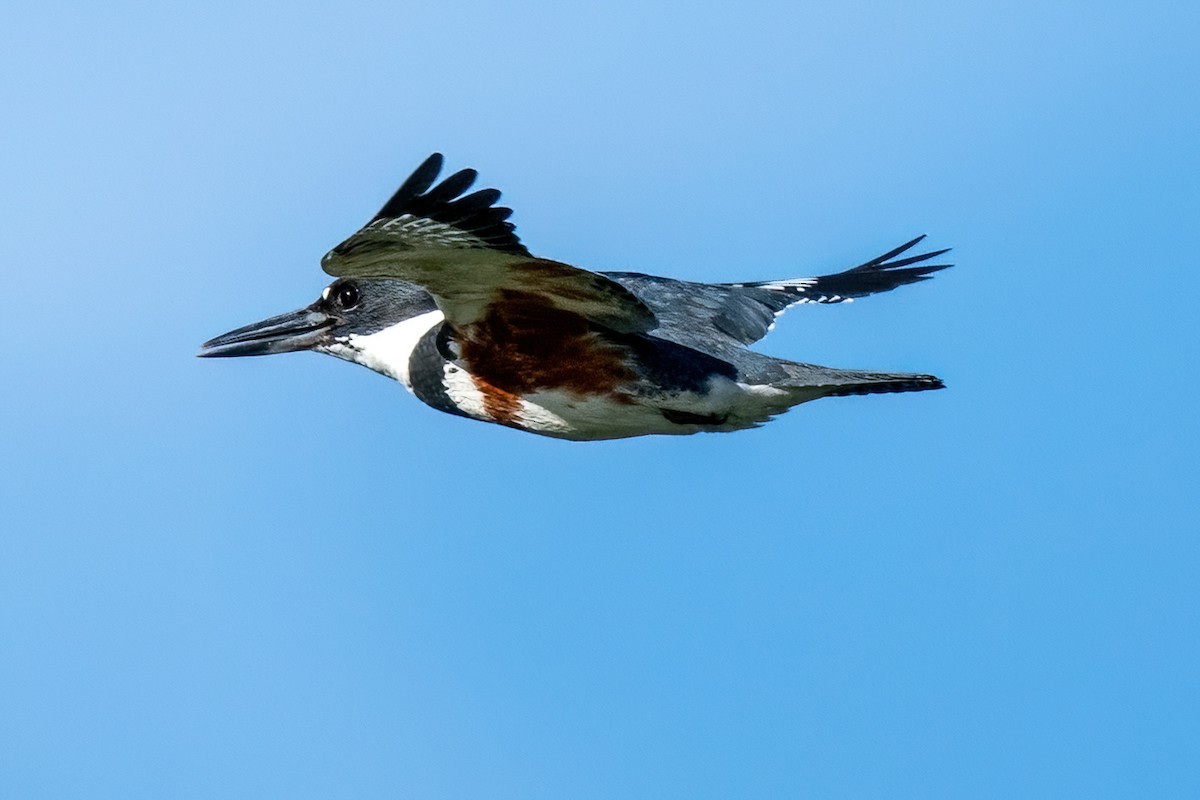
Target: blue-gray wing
x: 714, y: 317
x: 721, y: 314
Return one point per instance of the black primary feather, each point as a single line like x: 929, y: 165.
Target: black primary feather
x: 474, y: 213
x: 880, y: 274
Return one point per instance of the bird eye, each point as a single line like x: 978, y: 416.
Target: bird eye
x: 346, y: 295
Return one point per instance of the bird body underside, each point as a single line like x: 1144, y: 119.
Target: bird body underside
x: 728, y: 406
x: 597, y: 384
x: 722, y: 404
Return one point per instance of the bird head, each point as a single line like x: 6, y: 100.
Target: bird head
x: 375, y: 322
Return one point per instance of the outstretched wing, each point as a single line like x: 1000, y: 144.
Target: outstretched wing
x: 463, y: 250
x: 724, y: 314
x: 880, y: 274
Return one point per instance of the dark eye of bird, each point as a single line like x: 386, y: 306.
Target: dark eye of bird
x: 346, y: 295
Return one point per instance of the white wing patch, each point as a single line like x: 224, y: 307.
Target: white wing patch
x: 423, y: 232
x: 796, y: 285
x: 797, y: 288
x: 800, y: 287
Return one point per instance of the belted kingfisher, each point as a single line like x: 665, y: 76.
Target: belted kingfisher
x: 437, y: 292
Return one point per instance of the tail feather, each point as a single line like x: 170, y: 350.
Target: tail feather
x: 885, y: 383
x: 810, y: 379
x: 774, y: 385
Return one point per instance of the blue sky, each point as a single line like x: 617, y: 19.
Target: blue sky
x: 284, y: 577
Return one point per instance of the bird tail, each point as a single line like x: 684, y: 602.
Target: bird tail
x: 827, y: 382
x: 773, y: 385
x: 880, y: 383
x: 804, y: 382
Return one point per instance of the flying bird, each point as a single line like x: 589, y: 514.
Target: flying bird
x: 438, y: 293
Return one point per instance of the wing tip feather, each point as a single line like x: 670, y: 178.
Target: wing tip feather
x: 421, y: 195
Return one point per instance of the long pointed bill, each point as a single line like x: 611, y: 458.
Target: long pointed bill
x: 296, y: 330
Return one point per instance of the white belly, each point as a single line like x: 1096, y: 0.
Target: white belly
x: 559, y: 414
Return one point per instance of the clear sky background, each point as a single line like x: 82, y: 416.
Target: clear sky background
x: 285, y: 577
